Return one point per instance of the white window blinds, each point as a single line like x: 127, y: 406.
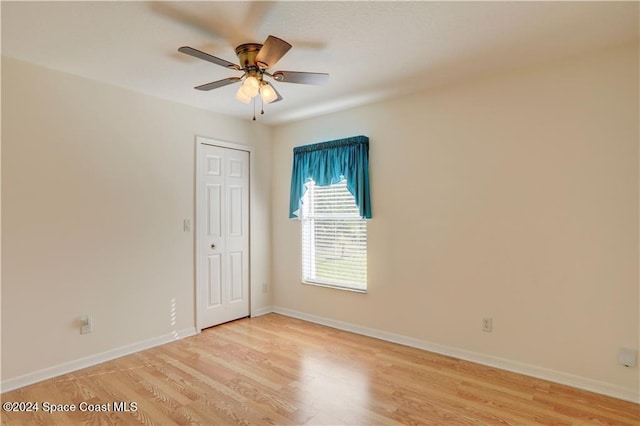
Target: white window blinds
x: 334, y: 238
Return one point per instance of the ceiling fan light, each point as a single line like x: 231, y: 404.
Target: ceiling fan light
x: 242, y: 97
x: 268, y: 94
x: 250, y: 87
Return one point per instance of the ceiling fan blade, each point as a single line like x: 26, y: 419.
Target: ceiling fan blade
x: 205, y: 56
x: 257, y: 13
x: 208, y: 18
x: 279, y: 98
x: 219, y: 83
x: 271, y: 51
x: 316, y: 78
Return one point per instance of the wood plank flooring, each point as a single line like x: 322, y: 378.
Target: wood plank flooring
x: 278, y: 370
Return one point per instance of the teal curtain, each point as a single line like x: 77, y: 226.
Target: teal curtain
x: 327, y: 163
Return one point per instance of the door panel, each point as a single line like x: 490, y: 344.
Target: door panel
x: 223, y: 243
x: 214, y: 282
x: 214, y: 202
x: 236, y: 276
x: 235, y: 211
x: 235, y: 168
x: 214, y: 165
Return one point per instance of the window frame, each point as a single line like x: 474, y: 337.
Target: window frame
x: 306, y: 217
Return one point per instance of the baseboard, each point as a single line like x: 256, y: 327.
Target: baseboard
x: 488, y: 360
x: 68, y: 367
x: 261, y: 311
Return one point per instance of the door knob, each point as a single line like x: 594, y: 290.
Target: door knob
x: 213, y: 246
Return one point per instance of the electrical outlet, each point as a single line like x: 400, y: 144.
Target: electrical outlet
x: 265, y: 288
x: 487, y: 324
x: 627, y: 357
x: 87, y: 325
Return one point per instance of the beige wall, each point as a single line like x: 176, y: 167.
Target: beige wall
x: 96, y: 182
x: 513, y: 196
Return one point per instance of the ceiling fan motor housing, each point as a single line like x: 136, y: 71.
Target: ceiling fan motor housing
x: 247, y: 54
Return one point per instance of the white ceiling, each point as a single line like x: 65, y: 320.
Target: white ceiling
x: 372, y: 50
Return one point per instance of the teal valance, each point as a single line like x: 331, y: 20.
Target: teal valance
x: 330, y: 162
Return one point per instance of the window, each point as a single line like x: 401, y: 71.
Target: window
x: 334, y: 238
x: 330, y: 195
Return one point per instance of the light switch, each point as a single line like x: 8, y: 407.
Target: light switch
x: 187, y: 225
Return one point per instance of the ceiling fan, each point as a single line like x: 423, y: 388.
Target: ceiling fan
x: 255, y: 59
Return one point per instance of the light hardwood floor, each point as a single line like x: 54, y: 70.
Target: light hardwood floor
x: 278, y: 370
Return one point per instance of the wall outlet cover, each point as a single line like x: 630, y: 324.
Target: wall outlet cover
x: 487, y: 324
x: 627, y: 357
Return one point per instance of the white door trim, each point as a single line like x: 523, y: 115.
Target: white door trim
x: 199, y: 141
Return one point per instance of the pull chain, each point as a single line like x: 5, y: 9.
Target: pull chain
x: 261, y: 106
x: 254, y: 109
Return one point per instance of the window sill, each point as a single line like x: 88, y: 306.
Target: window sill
x: 335, y: 287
